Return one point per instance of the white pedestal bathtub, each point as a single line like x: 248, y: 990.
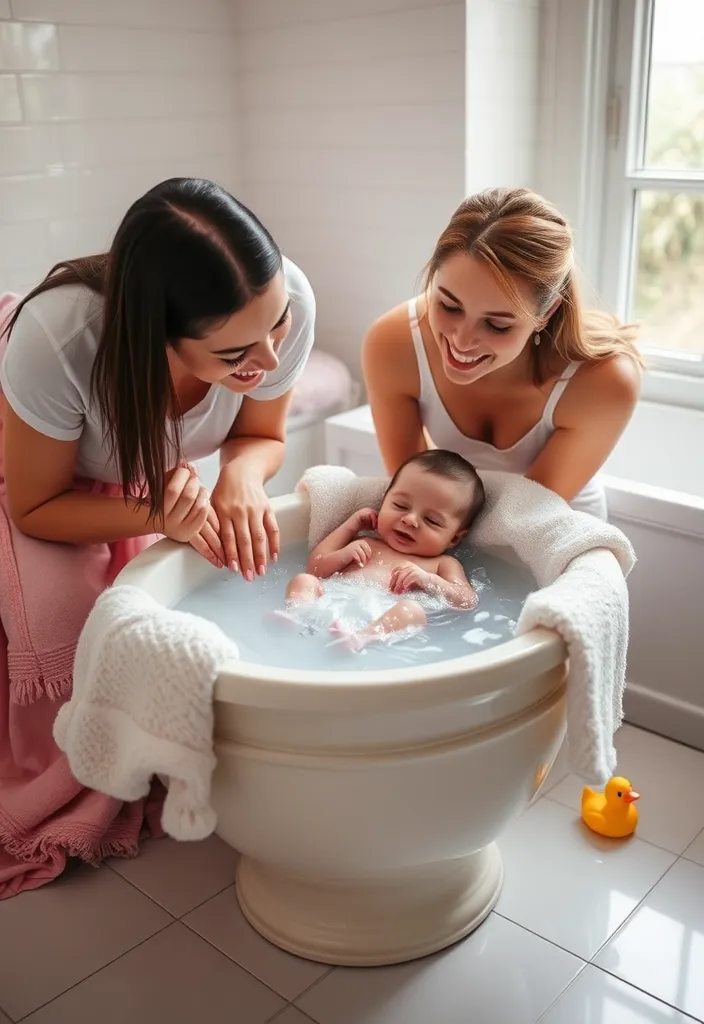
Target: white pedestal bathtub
x: 366, y: 805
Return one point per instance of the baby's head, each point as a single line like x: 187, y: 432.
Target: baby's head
x: 430, y: 503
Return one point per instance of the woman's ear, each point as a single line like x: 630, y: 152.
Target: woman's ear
x: 546, y: 318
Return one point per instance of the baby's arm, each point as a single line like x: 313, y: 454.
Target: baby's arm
x: 340, y: 549
x: 449, y: 582
x: 453, y: 585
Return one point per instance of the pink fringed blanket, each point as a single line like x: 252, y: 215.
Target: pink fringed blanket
x: 46, y: 593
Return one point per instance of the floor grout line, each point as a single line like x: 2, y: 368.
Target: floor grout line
x: 330, y: 970
x: 97, y: 971
x: 290, y: 1006
x: 279, y: 1013
x: 230, y: 885
x: 634, y: 911
x: 614, y: 933
x: 537, y: 935
x: 141, y: 891
x: 699, y: 835
x: 161, y: 905
x: 180, y: 920
x: 648, y: 842
x: 12, y: 1019
x: 247, y: 970
x: 559, y: 996
x: 651, y: 995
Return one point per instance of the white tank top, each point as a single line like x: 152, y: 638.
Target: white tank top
x: 516, y: 459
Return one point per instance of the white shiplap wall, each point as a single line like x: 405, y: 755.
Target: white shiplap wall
x: 99, y: 101
x: 353, y: 141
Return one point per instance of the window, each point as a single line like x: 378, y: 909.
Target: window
x: 653, y: 235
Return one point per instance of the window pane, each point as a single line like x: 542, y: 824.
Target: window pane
x: 668, y: 292
x: 674, y: 135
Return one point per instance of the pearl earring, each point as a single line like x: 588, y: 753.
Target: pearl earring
x: 536, y: 338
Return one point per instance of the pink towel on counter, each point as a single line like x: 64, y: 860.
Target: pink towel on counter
x: 46, y: 594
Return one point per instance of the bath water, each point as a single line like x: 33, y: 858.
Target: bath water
x: 244, y: 613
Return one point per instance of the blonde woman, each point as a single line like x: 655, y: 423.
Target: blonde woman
x: 497, y: 360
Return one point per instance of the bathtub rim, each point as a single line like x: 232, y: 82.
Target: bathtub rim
x: 536, y: 653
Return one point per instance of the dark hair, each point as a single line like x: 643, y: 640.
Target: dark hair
x: 453, y: 467
x: 185, y: 257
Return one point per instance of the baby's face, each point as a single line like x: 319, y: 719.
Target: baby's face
x: 422, y: 514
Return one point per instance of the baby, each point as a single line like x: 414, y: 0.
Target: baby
x: 428, y: 507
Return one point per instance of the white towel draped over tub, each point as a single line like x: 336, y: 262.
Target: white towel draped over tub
x: 142, y: 705
x: 582, y: 597
x: 142, y: 702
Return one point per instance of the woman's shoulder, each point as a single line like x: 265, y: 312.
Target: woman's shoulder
x: 389, y: 337
x: 391, y: 328
x: 64, y: 315
x: 388, y: 352
x: 602, y: 386
x: 299, y: 288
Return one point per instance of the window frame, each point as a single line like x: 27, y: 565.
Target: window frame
x: 674, y: 379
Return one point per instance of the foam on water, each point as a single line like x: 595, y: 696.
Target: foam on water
x: 244, y: 612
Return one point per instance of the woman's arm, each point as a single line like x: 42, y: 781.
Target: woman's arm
x: 257, y: 438
x: 391, y: 377
x: 589, y: 419
x: 39, y: 474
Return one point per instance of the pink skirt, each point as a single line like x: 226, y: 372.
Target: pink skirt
x: 46, y: 593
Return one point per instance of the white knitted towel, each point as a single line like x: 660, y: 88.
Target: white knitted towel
x: 582, y: 596
x: 142, y: 705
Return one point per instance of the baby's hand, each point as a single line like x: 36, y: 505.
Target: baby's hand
x: 367, y: 519
x: 359, y: 551
x: 407, y: 576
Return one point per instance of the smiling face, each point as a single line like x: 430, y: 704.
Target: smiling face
x: 476, y: 325
x: 240, y: 350
x: 423, y: 513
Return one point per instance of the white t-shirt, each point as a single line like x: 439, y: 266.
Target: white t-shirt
x: 46, y: 374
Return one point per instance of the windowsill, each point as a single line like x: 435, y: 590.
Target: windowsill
x: 679, y: 389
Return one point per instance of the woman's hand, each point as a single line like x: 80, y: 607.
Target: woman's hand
x: 207, y: 541
x: 248, y: 529
x: 188, y: 517
x: 186, y: 505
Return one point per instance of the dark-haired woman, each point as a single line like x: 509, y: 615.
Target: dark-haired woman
x: 117, y: 372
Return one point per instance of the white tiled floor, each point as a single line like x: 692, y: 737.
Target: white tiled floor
x: 587, y: 931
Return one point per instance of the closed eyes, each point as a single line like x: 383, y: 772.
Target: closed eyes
x: 494, y: 328
x: 234, y: 361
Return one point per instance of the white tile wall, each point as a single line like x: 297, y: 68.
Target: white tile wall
x: 267, y: 14
x: 97, y: 103
x: 503, y: 48
x: 10, y: 109
x: 183, y: 15
x: 353, y: 144
x: 574, y: 46
x: 342, y: 124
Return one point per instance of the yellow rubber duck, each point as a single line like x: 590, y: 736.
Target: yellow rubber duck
x: 611, y: 813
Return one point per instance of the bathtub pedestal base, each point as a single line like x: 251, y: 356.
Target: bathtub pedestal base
x: 374, y: 919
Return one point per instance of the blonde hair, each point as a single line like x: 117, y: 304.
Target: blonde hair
x: 518, y: 234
